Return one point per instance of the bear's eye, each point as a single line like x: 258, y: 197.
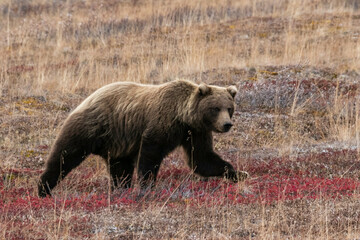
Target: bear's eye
x: 230, y: 111
x: 215, y: 109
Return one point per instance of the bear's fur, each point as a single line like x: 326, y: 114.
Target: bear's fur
x: 134, y: 125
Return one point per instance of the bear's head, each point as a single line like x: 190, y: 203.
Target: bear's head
x: 216, y: 107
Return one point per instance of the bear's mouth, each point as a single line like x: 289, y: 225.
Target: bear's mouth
x: 225, y: 128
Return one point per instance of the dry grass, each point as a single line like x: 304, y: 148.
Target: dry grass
x: 88, y: 44
x: 296, y: 64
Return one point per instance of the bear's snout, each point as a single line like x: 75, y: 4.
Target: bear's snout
x: 223, y: 122
x: 227, y: 126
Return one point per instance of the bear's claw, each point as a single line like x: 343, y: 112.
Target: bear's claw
x: 242, y: 175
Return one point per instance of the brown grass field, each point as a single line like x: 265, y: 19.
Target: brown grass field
x: 296, y: 128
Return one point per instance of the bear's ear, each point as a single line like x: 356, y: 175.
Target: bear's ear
x: 203, y: 89
x: 232, y: 90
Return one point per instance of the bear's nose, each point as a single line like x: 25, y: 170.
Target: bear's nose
x: 227, y: 126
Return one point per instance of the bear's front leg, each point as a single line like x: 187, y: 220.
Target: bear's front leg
x: 204, y: 161
x: 210, y: 164
x: 233, y: 175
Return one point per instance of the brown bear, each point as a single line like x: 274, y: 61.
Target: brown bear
x: 134, y: 125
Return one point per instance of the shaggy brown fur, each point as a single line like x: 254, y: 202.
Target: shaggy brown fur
x: 130, y: 124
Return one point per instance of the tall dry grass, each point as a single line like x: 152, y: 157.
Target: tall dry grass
x: 67, y: 46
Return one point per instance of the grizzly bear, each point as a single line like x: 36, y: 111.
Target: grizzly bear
x: 133, y: 125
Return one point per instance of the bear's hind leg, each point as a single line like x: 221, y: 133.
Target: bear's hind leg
x: 149, y: 161
x: 59, y: 164
x: 121, y: 171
